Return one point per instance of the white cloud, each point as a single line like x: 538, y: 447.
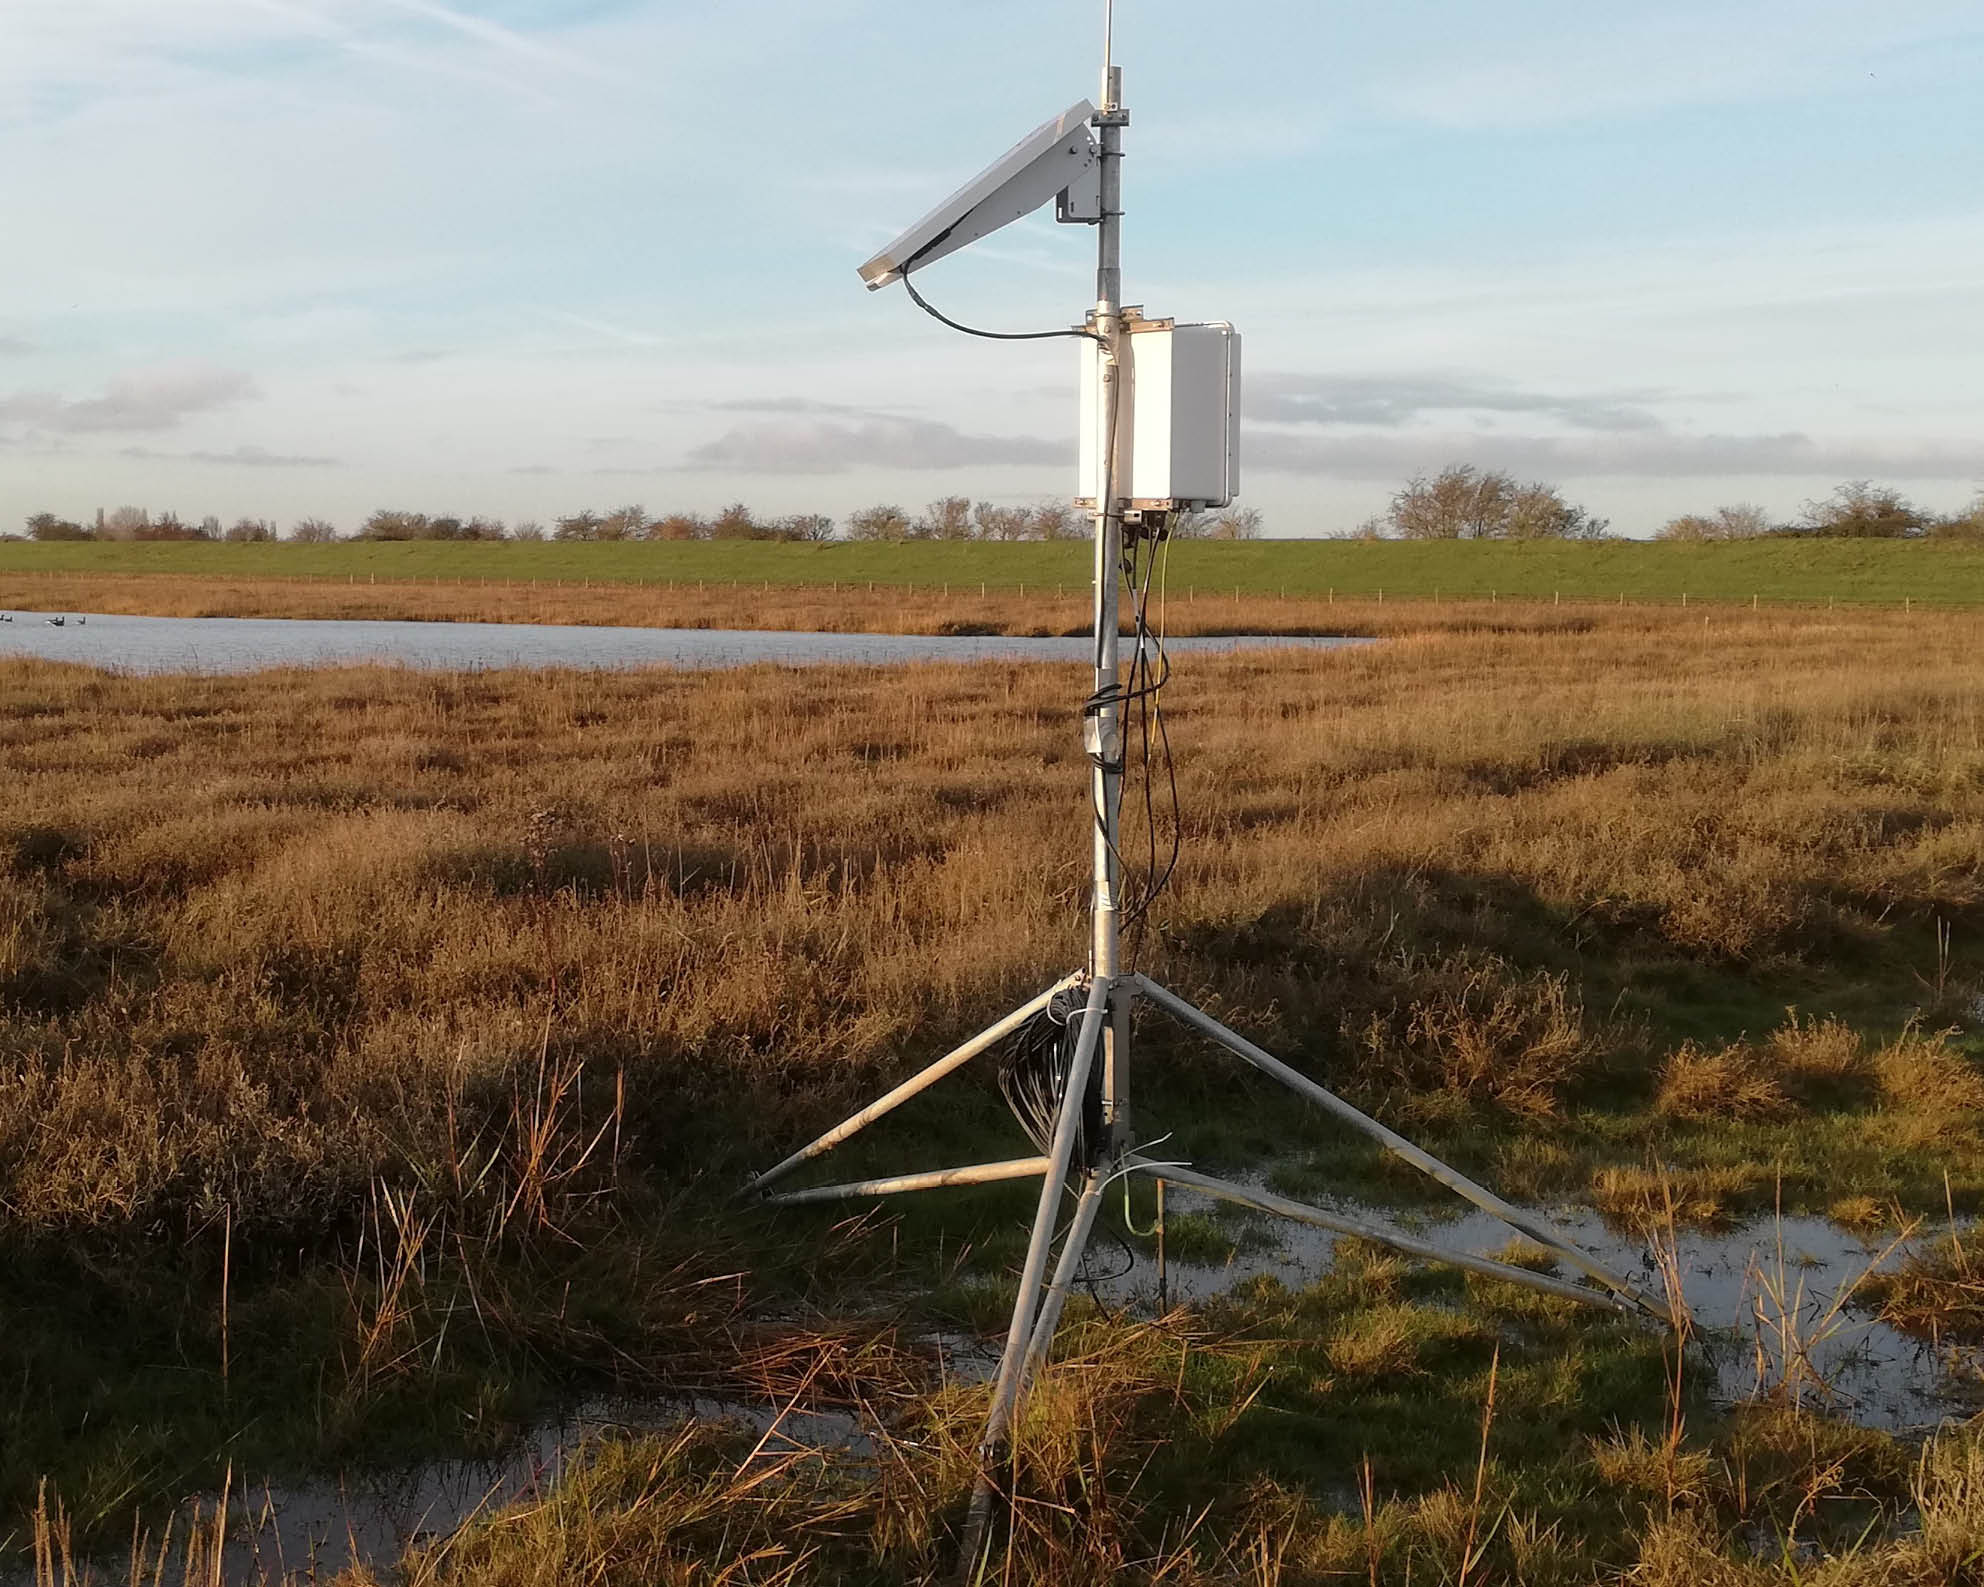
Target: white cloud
x: 838, y: 446
x: 1661, y: 454
x: 239, y: 457
x: 1399, y: 399
x: 148, y: 399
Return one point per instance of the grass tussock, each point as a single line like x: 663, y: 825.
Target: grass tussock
x: 1936, y: 1293
x: 1820, y: 1063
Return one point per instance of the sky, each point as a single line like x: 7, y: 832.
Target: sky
x: 288, y: 258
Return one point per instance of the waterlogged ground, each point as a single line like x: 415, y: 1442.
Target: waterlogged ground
x: 1774, y: 1301
x: 280, y: 1533
x: 243, y: 644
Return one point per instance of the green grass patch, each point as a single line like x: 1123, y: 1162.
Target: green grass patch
x: 1813, y: 571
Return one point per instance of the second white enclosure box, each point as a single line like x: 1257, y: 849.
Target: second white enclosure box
x: 1178, y: 437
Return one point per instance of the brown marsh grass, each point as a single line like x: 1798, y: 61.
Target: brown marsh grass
x: 265, y: 939
x: 462, y: 977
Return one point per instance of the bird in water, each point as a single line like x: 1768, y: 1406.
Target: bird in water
x: 57, y: 622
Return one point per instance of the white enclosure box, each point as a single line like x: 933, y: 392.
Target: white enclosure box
x: 1178, y: 432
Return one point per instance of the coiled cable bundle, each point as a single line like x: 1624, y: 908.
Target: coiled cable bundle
x: 1034, y: 1077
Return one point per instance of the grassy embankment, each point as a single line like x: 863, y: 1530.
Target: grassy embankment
x: 931, y: 587
x: 376, y: 1049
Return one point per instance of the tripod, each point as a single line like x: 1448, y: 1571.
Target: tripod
x: 1102, y: 1038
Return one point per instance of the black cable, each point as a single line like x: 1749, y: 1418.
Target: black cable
x: 1034, y: 1077
x: 942, y: 318
x: 1163, y: 879
x: 1150, y: 671
x: 1089, y: 1279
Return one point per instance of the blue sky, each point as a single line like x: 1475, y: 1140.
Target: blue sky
x: 517, y: 257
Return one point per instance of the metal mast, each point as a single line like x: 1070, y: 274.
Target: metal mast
x: 1105, y: 733
x: 1102, y: 1040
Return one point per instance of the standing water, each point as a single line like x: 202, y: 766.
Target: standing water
x: 246, y: 644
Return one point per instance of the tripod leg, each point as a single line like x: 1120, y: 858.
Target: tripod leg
x: 1484, y: 1198
x: 1072, y: 1249
x: 956, y: 1058
x: 1011, y: 1382
x: 933, y: 1179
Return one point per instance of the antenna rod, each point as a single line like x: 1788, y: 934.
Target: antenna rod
x: 1108, y: 53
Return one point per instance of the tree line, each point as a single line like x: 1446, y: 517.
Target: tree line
x: 948, y: 518
x: 1460, y: 502
x: 1465, y: 503
x: 1857, y: 510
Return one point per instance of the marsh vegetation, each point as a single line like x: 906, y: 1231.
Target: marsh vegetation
x: 378, y: 1050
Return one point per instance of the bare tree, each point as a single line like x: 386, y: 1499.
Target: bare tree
x: 581, y: 525
x: 806, y: 526
x: 1862, y: 510
x: 948, y: 518
x: 1462, y: 502
x: 313, y: 531
x: 122, y: 524
x: 1537, y: 511
x: 992, y: 522
x: 390, y: 524
x: 735, y: 523
x: 624, y: 523
x: 244, y: 530
x: 885, y: 522
x: 1740, y: 522
x: 529, y: 529
x: 1235, y: 523
x: 1965, y: 525
x: 1056, y: 520
x: 1458, y: 503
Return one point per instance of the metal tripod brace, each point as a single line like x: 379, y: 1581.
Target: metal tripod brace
x: 1104, y: 1033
